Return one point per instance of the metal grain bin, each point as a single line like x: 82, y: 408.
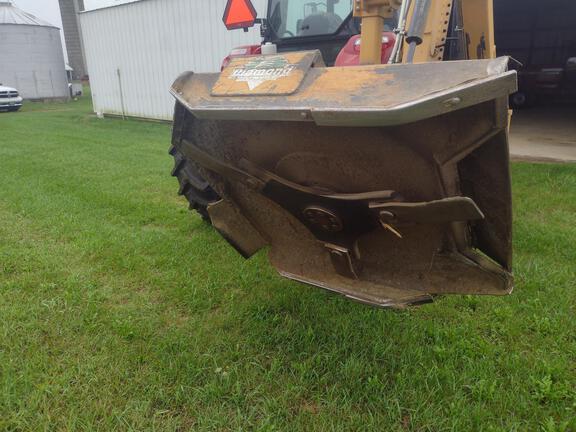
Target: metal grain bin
x: 31, y: 54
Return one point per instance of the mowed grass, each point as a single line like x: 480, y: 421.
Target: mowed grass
x: 120, y: 310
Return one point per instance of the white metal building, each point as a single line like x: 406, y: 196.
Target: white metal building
x: 31, y: 55
x: 135, y: 51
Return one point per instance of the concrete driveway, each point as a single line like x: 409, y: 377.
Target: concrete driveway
x: 545, y: 134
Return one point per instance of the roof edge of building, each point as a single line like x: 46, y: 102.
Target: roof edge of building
x: 114, y: 6
x: 13, y: 15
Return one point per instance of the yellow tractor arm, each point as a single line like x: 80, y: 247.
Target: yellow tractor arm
x: 427, y: 34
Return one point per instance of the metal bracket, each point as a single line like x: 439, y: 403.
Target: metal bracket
x: 344, y: 261
x: 455, y: 209
x: 371, y: 8
x: 235, y: 228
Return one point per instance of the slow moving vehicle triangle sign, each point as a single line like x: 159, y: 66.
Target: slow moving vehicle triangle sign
x: 239, y: 14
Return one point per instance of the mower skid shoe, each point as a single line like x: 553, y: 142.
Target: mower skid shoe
x: 389, y: 184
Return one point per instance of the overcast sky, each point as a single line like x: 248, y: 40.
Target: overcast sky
x: 48, y: 10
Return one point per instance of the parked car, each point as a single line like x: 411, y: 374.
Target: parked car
x: 10, y: 99
x: 551, y: 83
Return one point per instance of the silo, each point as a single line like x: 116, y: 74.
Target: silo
x: 32, y: 59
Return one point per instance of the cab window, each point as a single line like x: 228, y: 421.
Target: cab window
x: 293, y: 18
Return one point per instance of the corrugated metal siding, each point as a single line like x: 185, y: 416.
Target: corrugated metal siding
x: 150, y: 43
x: 32, y: 61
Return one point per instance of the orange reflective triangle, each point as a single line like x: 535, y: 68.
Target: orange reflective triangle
x: 239, y: 14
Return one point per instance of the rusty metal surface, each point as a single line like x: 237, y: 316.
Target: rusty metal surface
x: 389, y: 215
x: 379, y: 95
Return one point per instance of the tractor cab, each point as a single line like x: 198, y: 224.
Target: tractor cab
x: 300, y: 25
x: 328, y: 26
x: 297, y: 25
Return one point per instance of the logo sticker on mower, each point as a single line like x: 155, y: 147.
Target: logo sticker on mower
x: 268, y: 75
x: 257, y: 72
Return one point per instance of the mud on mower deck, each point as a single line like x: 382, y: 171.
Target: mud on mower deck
x: 389, y: 184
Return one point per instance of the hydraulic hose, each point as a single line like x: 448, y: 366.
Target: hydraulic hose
x: 417, y: 26
x: 400, y: 32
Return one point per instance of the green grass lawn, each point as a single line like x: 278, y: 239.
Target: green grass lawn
x: 120, y: 310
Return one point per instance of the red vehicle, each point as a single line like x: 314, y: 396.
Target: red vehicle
x: 328, y: 26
